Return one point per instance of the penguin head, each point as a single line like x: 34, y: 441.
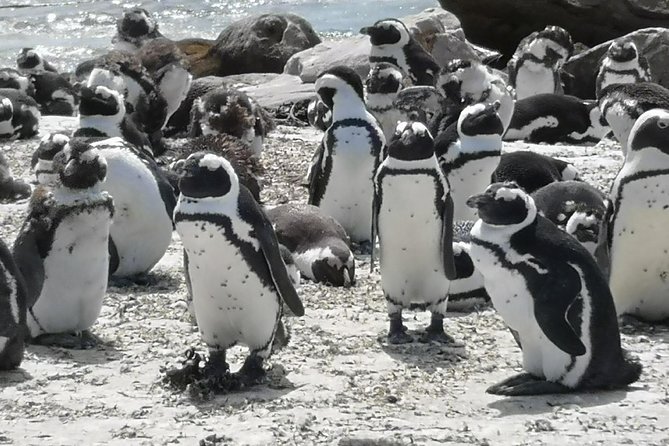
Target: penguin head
x: 29, y: 59
x: 384, y: 78
x: 101, y: 101
x: 583, y: 224
x: 481, y: 120
x: 104, y: 77
x: 334, y: 264
x: 80, y: 165
x: 504, y: 204
x: 11, y: 78
x: 229, y: 112
x: 558, y: 43
x: 623, y: 50
x: 650, y: 131
x: 205, y: 175
x: 339, y: 82
x: 387, y: 32
x: 319, y: 115
x: 51, y: 145
x: 6, y: 110
x: 136, y: 24
x: 412, y: 141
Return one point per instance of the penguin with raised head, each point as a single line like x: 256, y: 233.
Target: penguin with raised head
x: 469, y: 158
x: 12, y: 311
x: 411, y: 191
x: 29, y: 59
x: 134, y: 29
x: 341, y: 179
x: 11, y: 78
x: 531, y: 170
x: 392, y: 42
x: 62, y: 250
x: 238, y: 280
x: 19, y: 114
x: 537, y: 63
x: 622, y: 64
x: 552, y: 295
x: 635, y: 228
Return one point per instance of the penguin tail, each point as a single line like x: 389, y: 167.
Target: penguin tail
x: 630, y: 370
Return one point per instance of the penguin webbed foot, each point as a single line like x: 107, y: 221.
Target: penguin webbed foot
x: 526, y: 384
x: 190, y: 371
x: 435, y: 333
x: 252, y: 372
x: 397, y: 333
x: 84, y: 340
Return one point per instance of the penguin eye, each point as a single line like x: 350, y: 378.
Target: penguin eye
x: 663, y: 124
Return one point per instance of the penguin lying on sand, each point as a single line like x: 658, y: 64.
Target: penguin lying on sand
x: 532, y: 171
x: 19, y: 115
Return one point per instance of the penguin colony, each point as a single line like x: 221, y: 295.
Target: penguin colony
x: 412, y: 157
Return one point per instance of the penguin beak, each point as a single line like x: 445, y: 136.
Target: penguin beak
x: 366, y: 30
x: 476, y: 201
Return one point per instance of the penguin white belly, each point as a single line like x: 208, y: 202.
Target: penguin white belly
x: 6, y: 129
x: 142, y: 228
x: 621, y: 124
x: 75, y: 275
x: 613, y: 77
x: 411, y: 266
x: 639, y: 278
x: 530, y: 83
x: 470, y: 179
x: 231, y: 304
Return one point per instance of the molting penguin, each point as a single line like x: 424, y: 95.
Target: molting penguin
x: 233, y: 264
x: 11, y: 188
x: 635, y: 230
x: 180, y: 119
x: 622, y: 104
x: 552, y: 295
x: 622, y: 65
x: 54, y: 93
x: 134, y: 29
x: 411, y: 192
x: 61, y: 250
x: 19, y: 115
x: 341, y: 179
x: 11, y: 78
x: 12, y: 311
x: 532, y: 171
x: 319, y: 244
x: 42, y: 160
x: 383, y: 83
x: 552, y: 118
x: 536, y: 65
x: 29, y: 59
x: 469, y: 160
x: 393, y: 43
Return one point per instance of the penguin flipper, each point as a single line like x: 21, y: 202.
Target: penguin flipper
x: 602, y: 250
x: 114, y: 259
x: 315, y: 176
x: 375, y: 229
x: 28, y: 255
x: 189, y: 287
x: 447, y: 239
x: 270, y: 249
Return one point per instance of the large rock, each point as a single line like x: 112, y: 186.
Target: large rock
x: 501, y: 24
x: 653, y: 43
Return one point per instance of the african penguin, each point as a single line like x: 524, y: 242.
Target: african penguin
x: 551, y: 118
x: 536, y: 65
x: 11, y: 78
x: 341, y: 182
x: 621, y: 105
x: 575, y: 207
x: 54, y: 93
x: 383, y: 83
x: 180, y: 120
x: 470, y: 155
x: 319, y: 244
x: 622, y: 65
x: 467, y: 291
x: 410, y: 191
x: 29, y: 59
x: 19, y: 114
x: 291, y: 268
x: 11, y: 188
x: 134, y: 29
x: 62, y: 250
x: 233, y: 264
x: 42, y: 160
x: 12, y: 311
x: 551, y: 294
x: 635, y: 229
x: 393, y: 43
x: 318, y: 114
x: 532, y: 170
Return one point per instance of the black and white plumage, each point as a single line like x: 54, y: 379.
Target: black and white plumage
x: 29, y: 59
x: 11, y: 188
x: 536, y: 65
x: 180, y: 120
x: 134, y: 29
x: 19, y: 114
x: 393, y: 43
x: 238, y: 281
x: 12, y: 311
x: 412, y: 194
x: 383, y: 83
x: 551, y: 118
x: 319, y: 244
x: 622, y: 64
x: 318, y: 114
x: 54, y: 93
x: 469, y: 156
x: 575, y: 207
x: 467, y: 291
x: 635, y: 230
x: 61, y: 249
x: 532, y: 171
x: 11, y: 78
x: 42, y: 160
x: 621, y: 105
x: 552, y: 295
x: 341, y: 178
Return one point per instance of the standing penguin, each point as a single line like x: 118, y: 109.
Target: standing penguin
x: 622, y: 65
x: 12, y: 311
x: 469, y: 161
x: 393, y: 43
x: 134, y: 29
x: 411, y: 192
x: 552, y: 295
x: 62, y: 250
x: 341, y: 179
x: 233, y: 264
x: 636, y: 228
x: 383, y: 83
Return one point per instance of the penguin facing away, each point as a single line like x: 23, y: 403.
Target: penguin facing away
x: 622, y: 65
x: 233, y: 263
x: 12, y: 311
x: 552, y: 295
x: 412, y: 192
x: 341, y: 178
x: 531, y: 170
x: 635, y: 228
x: 61, y: 250
x: 134, y: 29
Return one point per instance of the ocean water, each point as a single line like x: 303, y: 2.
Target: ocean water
x: 69, y: 31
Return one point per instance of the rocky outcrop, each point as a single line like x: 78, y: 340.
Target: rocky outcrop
x: 501, y: 24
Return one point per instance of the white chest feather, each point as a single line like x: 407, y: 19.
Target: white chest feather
x: 174, y: 88
x: 470, y: 179
x: 6, y: 128
x: 533, y: 82
x: 108, y: 125
x: 394, y: 52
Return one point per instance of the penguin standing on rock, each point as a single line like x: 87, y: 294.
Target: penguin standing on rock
x: 552, y: 295
x: 411, y: 191
x: 233, y: 264
x: 341, y: 178
x: 393, y: 43
x: 12, y: 311
x: 622, y: 65
x: 61, y: 250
